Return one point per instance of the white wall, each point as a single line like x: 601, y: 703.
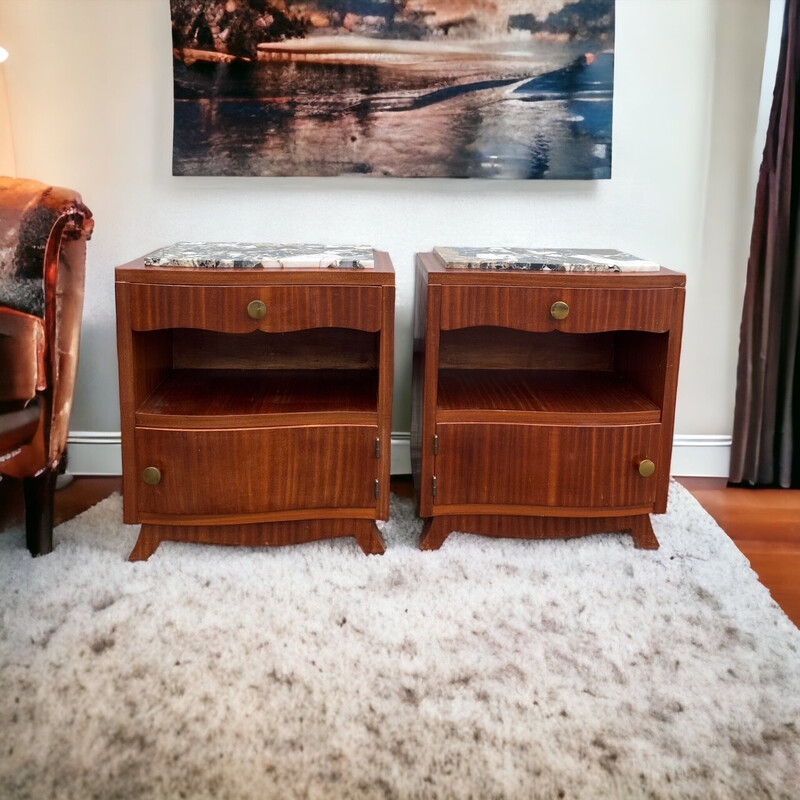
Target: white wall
x: 90, y: 93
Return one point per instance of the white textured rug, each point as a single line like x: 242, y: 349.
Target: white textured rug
x: 488, y: 669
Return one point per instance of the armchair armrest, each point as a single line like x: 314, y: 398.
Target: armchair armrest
x: 43, y: 233
x: 22, y: 351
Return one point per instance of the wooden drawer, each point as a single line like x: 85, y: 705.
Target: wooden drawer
x: 552, y: 466
x: 529, y: 308
x: 257, y: 470
x: 225, y: 308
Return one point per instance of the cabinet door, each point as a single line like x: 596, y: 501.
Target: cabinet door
x: 256, y: 470
x: 545, y: 466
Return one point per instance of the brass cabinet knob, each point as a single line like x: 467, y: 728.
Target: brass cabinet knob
x: 256, y: 309
x: 646, y: 467
x: 559, y: 310
x: 151, y: 476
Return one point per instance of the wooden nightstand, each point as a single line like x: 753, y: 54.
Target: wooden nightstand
x: 256, y: 404
x: 543, y: 402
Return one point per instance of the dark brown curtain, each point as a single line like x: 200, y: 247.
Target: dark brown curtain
x: 766, y: 427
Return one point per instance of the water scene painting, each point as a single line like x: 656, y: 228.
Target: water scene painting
x: 407, y: 88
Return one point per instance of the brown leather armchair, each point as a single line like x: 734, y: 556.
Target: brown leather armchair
x: 43, y: 234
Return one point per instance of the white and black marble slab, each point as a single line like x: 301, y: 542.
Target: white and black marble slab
x: 542, y: 260
x: 259, y: 255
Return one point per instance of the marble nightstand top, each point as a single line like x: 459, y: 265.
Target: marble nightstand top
x: 257, y: 255
x: 542, y: 260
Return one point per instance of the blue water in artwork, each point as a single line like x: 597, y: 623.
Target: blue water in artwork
x: 587, y: 85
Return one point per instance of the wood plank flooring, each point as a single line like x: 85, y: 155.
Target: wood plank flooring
x: 82, y: 493
x: 764, y: 523
x: 765, y: 526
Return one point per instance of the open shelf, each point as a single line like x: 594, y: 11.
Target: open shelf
x: 542, y: 396
x: 239, y: 398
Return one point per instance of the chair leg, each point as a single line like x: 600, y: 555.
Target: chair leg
x: 39, y: 501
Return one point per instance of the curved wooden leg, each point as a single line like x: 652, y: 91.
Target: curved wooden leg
x: 149, y: 539
x: 434, y: 532
x: 365, y: 532
x: 437, y: 529
x: 642, y: 532
x: 369, y: 538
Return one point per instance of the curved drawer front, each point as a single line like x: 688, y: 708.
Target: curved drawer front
x: 546, y: 465
x: 256, y: 470
x: 529, y: 308
x: 228, y: 309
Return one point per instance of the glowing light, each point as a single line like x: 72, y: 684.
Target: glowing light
x: 3, y: 54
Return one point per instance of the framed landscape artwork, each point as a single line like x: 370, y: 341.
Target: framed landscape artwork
x: 408, y: 88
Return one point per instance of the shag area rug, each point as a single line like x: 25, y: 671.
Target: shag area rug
x: 491, y: 668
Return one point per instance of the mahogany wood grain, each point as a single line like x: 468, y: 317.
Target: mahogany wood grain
x: 437, y: 529
x: 589, y: 310
x: 251, y: 470
x: 417, y: 410
x: 568, y: 466
x: 541, y: 397
x: 642, y: 359
x: 228, y: 398
x: 485, y: 347
x: 443, y: 510
x: 145, y: 362
x: 658, y: 279
x: 385, y: 396
x: 517, y: 412
x: 151, y: 356
x: 256, y: 421
x: 224, y: 308
x: 130, y: 375
x: 381, y: 275
x: 670, y: 394
x: 316, y: 348
x: 431, y: 384
x: 419, y: 407
x: 275, y: 534
x: 246, y: 518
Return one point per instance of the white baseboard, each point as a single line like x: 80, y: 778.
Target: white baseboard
x: 100, y: 453
x: 401, y: 453
x: 701, y: 455
x: 94, y: 453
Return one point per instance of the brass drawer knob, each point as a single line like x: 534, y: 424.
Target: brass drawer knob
x: 256, y: 309
x: 559, y: 310
x: 151, y: 476
x: 646, y: 467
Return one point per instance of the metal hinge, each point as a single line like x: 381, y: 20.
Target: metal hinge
x: 377, y: 447
x: 377, y: 488
x: 436, y: 444
x: 435, y: 485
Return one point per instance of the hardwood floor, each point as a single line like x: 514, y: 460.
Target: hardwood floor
x: 80, y: 494
x: 765, y: 526
x: 764, y: 523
